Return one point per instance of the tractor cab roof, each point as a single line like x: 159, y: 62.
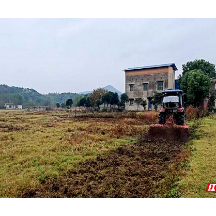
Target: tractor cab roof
x: 172, y: 92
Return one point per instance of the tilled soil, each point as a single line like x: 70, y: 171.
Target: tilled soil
x: 167, y: 133
x: 145, y: 169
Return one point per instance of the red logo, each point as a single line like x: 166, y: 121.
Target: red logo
x: 211, y: 187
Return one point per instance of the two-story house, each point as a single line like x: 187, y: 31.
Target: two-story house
x: 143, y: 82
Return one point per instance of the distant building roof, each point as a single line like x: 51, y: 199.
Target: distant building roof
x: 153, y: 66
x: 8, y: 104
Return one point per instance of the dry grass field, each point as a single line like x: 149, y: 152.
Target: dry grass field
x: 58, y: 154
x: 37, y: 145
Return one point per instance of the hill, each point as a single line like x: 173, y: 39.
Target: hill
x: 112, y: 89
x: 30, y: 97
x: 108, y: 88
x: 17, y: 95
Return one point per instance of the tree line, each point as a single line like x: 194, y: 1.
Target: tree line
x: 100, y: 96
x: 30, y: 98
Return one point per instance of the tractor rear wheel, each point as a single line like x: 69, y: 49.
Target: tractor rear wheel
x: 181, y: 119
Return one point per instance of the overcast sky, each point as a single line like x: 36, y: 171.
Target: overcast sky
x: 74, y: 55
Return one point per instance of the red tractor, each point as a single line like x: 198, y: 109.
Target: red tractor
x: 172, y: 107
x: 171, y: 119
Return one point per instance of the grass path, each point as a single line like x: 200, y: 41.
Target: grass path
x: 202, y: 166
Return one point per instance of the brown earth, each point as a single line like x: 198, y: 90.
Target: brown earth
x: 167, y: 133
x: 144, y: 169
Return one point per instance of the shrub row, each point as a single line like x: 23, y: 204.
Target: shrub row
x: 195, y: 112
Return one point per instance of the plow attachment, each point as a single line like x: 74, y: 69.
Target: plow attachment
x: 168, y: 132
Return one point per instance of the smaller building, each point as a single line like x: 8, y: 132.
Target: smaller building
x: 11, y: 106
x: 213, y: 86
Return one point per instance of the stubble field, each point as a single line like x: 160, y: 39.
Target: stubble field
x: 58, y: 154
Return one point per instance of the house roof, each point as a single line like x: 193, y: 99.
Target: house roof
x: 153, y: 66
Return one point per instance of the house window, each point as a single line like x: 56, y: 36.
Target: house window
x: 145, y: 86
x: 160, y: 85
x: 131, y: 102
x: 131, y: 87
